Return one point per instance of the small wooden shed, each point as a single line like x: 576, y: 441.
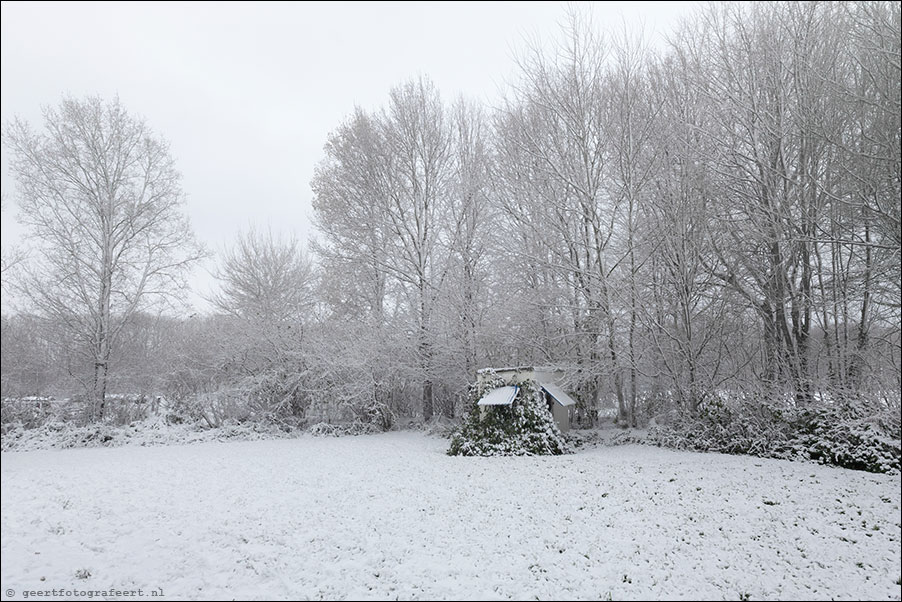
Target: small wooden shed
x: 548, y: 378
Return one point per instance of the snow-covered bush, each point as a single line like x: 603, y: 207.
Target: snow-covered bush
x: 275, y: 396
x: 123, y: 408
x: 752, y: 428
x: 851, y: 435
x: 524, y: 428
x: 149, y: 432
x: 271, y: 397
x: 218, y: 407
x: 29, y: 412
x: 258, y: 400
x: 324, y: 429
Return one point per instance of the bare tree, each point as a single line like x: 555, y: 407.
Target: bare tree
x: 102, y: 200
x: 11, y: 258
x: 418, y: 172
x: 632, y: 118
x: 554, y: 154
x: 382, y: 205
x: 470, y: 216
x: 265, y: 277
x: 349, y: 203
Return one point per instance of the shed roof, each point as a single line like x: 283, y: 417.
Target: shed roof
x: 502, y: 396
x: 558, y: 395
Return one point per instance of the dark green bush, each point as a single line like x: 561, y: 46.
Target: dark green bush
x: 851, y: 438
x: 749, y: 428
x: 851, y: 435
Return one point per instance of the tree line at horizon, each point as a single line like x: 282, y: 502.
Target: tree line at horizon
x: 719, y: 219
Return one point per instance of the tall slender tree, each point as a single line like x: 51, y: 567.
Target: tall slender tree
x: 102, y: 201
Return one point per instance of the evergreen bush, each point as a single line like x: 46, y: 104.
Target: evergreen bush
x: 850, y: 435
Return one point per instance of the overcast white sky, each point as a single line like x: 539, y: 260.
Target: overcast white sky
x: 246, y: 93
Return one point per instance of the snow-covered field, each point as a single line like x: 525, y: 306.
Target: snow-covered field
x: 390, y: 516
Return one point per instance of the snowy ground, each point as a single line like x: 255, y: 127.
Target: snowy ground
x: 391, y: 516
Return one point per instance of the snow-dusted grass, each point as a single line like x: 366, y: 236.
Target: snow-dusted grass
x: 391, y: 516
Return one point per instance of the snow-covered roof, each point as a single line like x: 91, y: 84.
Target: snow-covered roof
x: 558, y: 395
x: 502, y: 396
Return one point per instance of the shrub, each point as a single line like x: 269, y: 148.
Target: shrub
x: 751, y: 428
x: 29, y: 412
x: 850, y: 435
x: 324, y: 429
x: 274, y: 396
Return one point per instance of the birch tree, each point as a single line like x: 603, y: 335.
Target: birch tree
x: 102, y: 201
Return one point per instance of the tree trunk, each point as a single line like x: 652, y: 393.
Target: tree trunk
x: 857, y: 364
x: 98, y: 390
x: 428, y: 400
